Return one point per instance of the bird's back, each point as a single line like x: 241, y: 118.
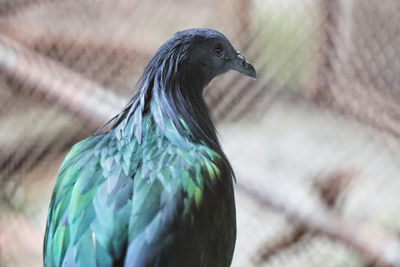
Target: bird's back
x: 163, y: 201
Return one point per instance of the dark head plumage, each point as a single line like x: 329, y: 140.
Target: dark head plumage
x: 175, y: 77
x: 203, y: 54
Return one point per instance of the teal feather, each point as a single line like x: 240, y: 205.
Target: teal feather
x: 61, y: 209
x: 79, y: 203
x: 84, y: 251
x: 81, y: 225
x: 103, y: 258
x: 61, y: 242
x: 84, y: 181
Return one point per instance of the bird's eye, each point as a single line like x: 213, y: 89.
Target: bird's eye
x: 219, y: 50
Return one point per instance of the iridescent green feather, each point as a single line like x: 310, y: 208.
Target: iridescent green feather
x: 112, y: 192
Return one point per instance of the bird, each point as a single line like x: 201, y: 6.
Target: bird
x: 155, y: 188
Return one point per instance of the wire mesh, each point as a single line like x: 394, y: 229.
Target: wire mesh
x: 314, y: 140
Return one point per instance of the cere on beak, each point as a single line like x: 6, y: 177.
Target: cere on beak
x: 241, y: 65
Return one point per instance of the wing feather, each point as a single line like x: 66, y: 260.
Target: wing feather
x: 115, y: 199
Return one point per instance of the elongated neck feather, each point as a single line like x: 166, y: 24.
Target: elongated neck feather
x: 171, y: 88
x: 170, y: 91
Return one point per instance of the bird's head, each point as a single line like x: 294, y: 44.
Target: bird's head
x: 199, y: 55
x: 172, y: 83
x: 211, y: 53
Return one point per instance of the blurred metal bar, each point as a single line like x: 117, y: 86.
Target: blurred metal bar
x: 320, y: 89
x: 58, y: 84
x: 36, y: 35
x: 236, y: 18
x: 373, y: 243
x: 337, y: 84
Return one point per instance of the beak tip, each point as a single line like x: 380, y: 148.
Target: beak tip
x: 252, y: 72
x: 253, y: 75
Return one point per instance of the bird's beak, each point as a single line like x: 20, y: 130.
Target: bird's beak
x: 241, y: 65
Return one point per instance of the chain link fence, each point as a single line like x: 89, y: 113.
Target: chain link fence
x: 314, y: 141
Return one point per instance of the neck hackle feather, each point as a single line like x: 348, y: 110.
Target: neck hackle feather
x: 171, y: 88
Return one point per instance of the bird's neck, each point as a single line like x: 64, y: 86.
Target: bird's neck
x: 176, y: 107
x: 177, y: 98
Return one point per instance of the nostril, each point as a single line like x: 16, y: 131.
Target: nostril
x: 242, y: 58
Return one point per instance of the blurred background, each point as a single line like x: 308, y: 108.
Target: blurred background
x: 314, y: 141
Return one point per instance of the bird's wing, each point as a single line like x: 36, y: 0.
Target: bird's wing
x: 90, y: 206
x: 99, y: 215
